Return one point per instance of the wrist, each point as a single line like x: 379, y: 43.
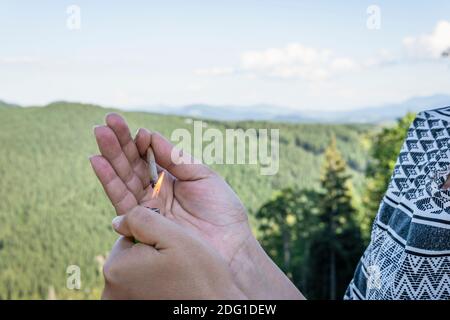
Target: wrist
x: 258, y: 277
x: 233, y: 292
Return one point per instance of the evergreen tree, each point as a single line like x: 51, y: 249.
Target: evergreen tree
x: 286, y: 224
x: 337, y: 244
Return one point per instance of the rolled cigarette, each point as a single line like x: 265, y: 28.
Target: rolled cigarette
x: 152, y: 166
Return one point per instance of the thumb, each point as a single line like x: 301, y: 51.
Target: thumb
x: 167, y: 156
x: 147, y: 227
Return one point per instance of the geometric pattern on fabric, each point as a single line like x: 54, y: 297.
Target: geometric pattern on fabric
x: 408, y: 256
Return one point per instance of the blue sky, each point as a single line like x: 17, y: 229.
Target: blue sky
x: 304, y: 55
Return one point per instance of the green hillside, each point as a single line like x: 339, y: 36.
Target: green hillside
x: 4, y: 104
x: 53, y: 212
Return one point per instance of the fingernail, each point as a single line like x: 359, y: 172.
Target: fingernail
x: 116, y: 222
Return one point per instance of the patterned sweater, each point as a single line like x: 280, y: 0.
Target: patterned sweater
x: 409, y: 253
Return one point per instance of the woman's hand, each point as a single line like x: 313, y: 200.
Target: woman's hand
x: 168, y: 263
x: 193, y: 197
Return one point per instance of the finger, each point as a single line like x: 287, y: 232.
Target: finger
x: 122, y: 131
x: 121, y: 198
x: 118, y: 261
x: 121, y: 244
x: 148, y: 227
x: 110, y: 149
x: 164, y: 151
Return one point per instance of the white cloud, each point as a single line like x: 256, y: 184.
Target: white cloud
x: 383, y: 58
x: 296, y: 61
x: 344, y: 64
x: 431, y: 45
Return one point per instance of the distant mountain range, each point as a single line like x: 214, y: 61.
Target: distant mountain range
x: 265, y: 112
x: 388, y: 112
x: 374, y: 114
x: 226, y: 113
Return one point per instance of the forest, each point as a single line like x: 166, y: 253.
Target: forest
x: 313, y: 217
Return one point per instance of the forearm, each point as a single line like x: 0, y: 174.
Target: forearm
x: 259, y: 277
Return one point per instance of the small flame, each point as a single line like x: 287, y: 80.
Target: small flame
x: 158, y: 185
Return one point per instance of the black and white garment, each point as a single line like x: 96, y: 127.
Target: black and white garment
x: 409, y: 253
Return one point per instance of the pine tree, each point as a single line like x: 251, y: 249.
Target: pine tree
x: 337, y: 244
x: 286, y: 224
